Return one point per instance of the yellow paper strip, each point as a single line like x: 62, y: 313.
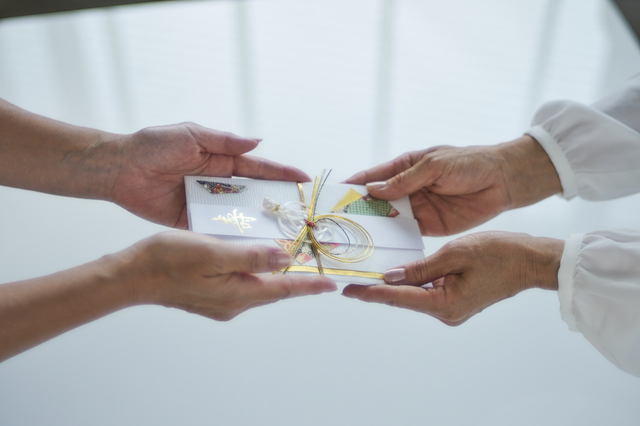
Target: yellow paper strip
x: 348, y: 198
x: 343, y: 272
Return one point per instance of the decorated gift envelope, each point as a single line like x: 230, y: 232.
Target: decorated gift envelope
x: 349, y: 235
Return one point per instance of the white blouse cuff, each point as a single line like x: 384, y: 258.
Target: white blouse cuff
x: 566, y: 275
x: 559, y: 160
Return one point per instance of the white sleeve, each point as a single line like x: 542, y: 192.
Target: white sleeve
x: 599, y: 292
x: 595, y: 149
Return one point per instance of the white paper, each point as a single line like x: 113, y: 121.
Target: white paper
x: 397, y: 232
x: 396, y: 240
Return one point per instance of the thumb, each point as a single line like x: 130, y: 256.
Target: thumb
x: 226, y: 143
x: 424, y: 271
x: 406, y: 182
x: 229, y: 258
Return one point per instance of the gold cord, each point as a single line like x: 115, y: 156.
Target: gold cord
x: 361, y: 251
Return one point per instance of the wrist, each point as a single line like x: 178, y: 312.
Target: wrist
x: 96, y: 167
x: 121, y: 275
x: 544, y: 255
x: 142, y: 275
x: 528, y: 171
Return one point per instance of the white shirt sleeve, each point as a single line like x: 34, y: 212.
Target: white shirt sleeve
x: 596, y: 151
x: 599, y: 292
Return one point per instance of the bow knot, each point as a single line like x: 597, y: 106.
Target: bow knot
x: 305, y: 226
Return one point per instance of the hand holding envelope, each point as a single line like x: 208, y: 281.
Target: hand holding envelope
x: 152, y: 162
x: 451, y: 190
x: 206, y: 276
x: 142, y: 172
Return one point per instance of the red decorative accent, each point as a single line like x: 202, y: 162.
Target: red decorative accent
x: 311, y: 224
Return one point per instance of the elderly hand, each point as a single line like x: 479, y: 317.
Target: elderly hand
x: 151, y: 165
x: 454, y: 189
x: 468, y: 275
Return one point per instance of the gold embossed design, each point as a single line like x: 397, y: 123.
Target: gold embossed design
x: 236, y: 219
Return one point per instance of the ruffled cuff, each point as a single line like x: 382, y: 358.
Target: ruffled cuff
x: 559, y: 160
x: 596, y: 156
x: 566, y: 275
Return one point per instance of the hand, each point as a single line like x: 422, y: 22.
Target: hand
x: 149, y: 179
x: 200, y: 274
x: 454, y: 189
x: 179, y: 269
x: 468, y: 275
x: 142, y: 172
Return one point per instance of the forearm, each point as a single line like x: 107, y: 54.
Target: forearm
x: 36, y: 310
x: 45, y: 155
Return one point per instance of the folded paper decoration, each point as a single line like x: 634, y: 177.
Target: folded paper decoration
x: 220, y: 188
x: 369, y: 206
x: 240, y: 218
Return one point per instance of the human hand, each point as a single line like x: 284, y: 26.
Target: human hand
x: 468, y: 275
x: 193, y: 272
x: 149, y: 177
x: 203, y: 275
x: 454, y: 189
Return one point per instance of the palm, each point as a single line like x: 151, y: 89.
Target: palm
x: 150, y: 183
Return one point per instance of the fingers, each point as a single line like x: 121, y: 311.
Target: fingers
x: 217, y: 142
x: 261, y: 168
x: 378, y: 173
x: 229, y: 258
x: 402, y: 176
x: 414, y: 298
x: 278, y: 287
x: 388, y: 170
x: 443, y: 262
x: 405, y: 182
x: 435, y: 301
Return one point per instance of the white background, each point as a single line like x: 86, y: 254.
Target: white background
x: 342, y: 84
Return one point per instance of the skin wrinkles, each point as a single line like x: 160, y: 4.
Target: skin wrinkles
x: 454, y: 189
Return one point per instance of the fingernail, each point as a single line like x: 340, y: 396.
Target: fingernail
x: 258, y: 140
x: 395, y: 275
x: 348, y: 295
x: 280, y: 260
x: 377, y: 185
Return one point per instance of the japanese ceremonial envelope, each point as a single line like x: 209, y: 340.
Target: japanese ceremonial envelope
x: 232, y: 210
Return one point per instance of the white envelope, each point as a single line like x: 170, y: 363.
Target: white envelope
x: 240, y: 218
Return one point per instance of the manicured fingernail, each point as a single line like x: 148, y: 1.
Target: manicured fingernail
x: 348, y: 295
x: 258, y: 140
x: 395, y: 275
x: 280, y: 260
x: 376, y: 185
